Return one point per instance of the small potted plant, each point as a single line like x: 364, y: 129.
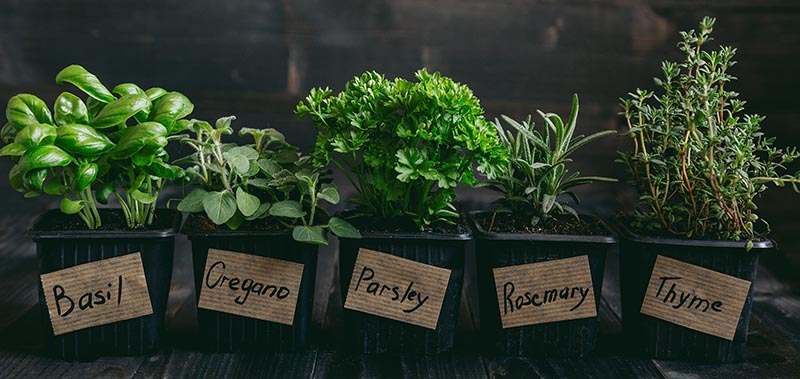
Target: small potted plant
x: 262, y: 199
x: 85, y: 151
x: 404, y: 146
x: 532, y: 223
x: 699, y: 163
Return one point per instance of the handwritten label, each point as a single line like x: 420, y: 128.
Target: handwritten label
x: 96, y: 293
x: 397, y: 288
x: 538, y: 293
x: 251, y: 286
x: 695, y: 297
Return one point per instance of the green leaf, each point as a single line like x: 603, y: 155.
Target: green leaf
x: 132, y: 89
x: 85, y: 81
x: 329, y: 193
x: 260, y: 213
x: 193, y: 202
x: 26, y: 109
x: 169, y: 108
x: 12, y: 150
x: 219, y: 206
x: 269, y: 166
x: 82, y: 140
x: 164, y: 170
x: 54, y: 187
x: 70, y: 206
x: 104, y: 192
x: 36, y: 134
x: 70, y: 109
x: 120, y: 110
x: 309, y: 234
x: 343, y: 228
x: 248, y: 204
x: 239, y: 158
x: 155, y: 93
x: 287, y: 208
x: 85, y: 176
x: 135, y: 138
x: 144, y: 198
x: 47, y: 156
x: 34, y: 179
x: 235, y: 222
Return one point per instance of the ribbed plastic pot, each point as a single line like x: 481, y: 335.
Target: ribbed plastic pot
x: 560, y: 338
x: 225, y: 332
x: 664, y: 340
x: 371, y: 334
x: 57, y: 250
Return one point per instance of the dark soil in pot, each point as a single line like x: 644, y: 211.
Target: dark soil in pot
x: 370, y: 334
x: 225, y: 332
x: 61, y: 243
x: 664, y: 340
x: 513, y: 242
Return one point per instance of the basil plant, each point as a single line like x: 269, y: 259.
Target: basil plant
x: 267, y: 178
x: 85, y: 150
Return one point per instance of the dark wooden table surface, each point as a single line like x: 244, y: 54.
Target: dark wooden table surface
x: 774, y: 339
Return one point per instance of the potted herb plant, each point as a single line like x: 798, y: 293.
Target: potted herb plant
x: 404, y: 146
x: 699, y: 163
x: 85, y: 151
x: 263, y: 199
x: 532, y: 223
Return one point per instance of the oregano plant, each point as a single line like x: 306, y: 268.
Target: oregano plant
x: 110, y: 142
x: 698, y: 160
x: 268, y: 178
x: 404, y: 145
x: 536, y: 180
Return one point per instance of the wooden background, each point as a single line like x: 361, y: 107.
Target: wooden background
x: 256, y: 59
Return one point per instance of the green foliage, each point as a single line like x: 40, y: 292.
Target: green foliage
x: 536, y: 180
x: 266, y: 178
x: 85, y: 150
x: 406, y: 144
x: 698, y: 161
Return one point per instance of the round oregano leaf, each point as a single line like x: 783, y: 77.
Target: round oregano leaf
x: 220, y: 206
x: 329, y: 193
x: 343, y: 228
x: 248, y: 204
x: 309, y: 234
x: 287, y: 208
x: 193, y: 202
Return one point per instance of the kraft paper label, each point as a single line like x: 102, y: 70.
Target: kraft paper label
x: 544, y: 292
x: 96, y: 293
x: 251, y: 286
x: 397, y: 288
x: 695, y: 297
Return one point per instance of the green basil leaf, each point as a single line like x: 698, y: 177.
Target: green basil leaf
x: 329, y: 193
x: 85, y: 176
x: 169, y: 108
x: 54, y: 187
x: 193, y: 202
x: 309, y: 234
x: 287, y: 208
x: 15, y: 178
x: 219, y: 206
x: 70, y: 206
x: 144, y: 198
x: 132, y: 89
x: 120, y: 110
x: 155, y: 93
x: 164, y: 170
x: 46, y: 156
x: 85, y: 81
x: 8, y: 132
x: 34, y: 179
x: 248, y: 204
x: 26, y: 109
x: 70, y: 109
x: 12, y: 150
x: 343, y: 228
x: 36, y: 134
x: 94, y: 106
x: 104, y: 192
x: 82, y: 140
x: 135, y: 138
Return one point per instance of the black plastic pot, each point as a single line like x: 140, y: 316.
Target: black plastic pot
x: 664, y: 340
x: 369, y: 334
x: 58, y: 250
x: 560, y: 338
x: 225, y: 332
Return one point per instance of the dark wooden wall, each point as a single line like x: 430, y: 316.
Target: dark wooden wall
x: 256, y: 58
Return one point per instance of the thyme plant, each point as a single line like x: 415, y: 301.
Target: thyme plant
x: 250, y: 182
x: 698, y: 161
x: 404, y: 145
x: 536, y: 180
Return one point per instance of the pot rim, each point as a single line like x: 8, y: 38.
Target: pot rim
x: 484, y: 235
x: 223, y: 233
x: 171, y: 231
x: 627, y: 234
